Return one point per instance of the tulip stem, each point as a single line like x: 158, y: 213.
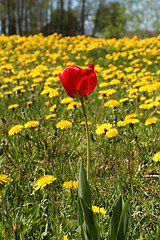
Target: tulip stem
x: 88, y: 139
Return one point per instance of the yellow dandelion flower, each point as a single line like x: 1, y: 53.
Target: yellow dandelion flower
x: 15, y: 129
x: 156, y: 157
x: 72, y: 105
x: 102, y: 211
x: 50, y: 116
x: 103, y: 128
x: 64, y: 124
x: 131, y: 120
x: 123, y: 100
x: 43, y: 181
x: 131, y: 115
x: 151, y: 120
x: 31, y: 124
x: 142, y: 98
x: 114, y: 82
x: 52, y: 108
x: 65, y: 237
x: 158, y: 112
x: 144, y: 106
x: 13, y: 106
x: 103, y: 84
x: 8, y: 93
x: 29, y: 102
x: 4, y: 178
x: 83, y: 123
x: 112, y: 103
x: 70, y: 185
x: 112, y: 133
x: 121, y: 123
x: 95, y: 209
x: 17, y: 88
x: 47, y: 103
x: 66, y: 100
x: 53, y: 93
x: 106, y: 93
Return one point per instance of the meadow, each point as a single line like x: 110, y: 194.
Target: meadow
x: 40, y: 153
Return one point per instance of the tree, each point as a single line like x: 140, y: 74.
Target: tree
x: 110, y: 20
x: 70, y: 24
x: 82, y: 17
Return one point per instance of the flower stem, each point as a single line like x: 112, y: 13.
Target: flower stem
x: 88, y: 139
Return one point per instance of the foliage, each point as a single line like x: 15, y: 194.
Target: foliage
x: 111, y: 20
x: 70, y: 24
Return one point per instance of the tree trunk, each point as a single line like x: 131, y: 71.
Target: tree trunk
x: 11, y: 6
x: 4, y: 25
x: 82, y: 17
x: 68, y: 18
x: 96, y: 18
x: 60, y: 29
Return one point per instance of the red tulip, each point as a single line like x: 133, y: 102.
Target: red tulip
x: 78, y: 82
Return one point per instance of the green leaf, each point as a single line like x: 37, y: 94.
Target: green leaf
x: 119, y: 221
x: 83, y: 188
x: 89, y: 226
x: 87, y: 219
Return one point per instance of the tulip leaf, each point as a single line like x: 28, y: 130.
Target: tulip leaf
x: 87, y: 219
x: 83, y: 187
x: 89, y: 224
x: 119, y: 221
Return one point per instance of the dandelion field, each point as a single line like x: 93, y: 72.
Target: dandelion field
x: 43, y: 141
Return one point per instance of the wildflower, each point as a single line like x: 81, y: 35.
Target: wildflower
x: 4, y: 178
x: 103, y: 84
x: 8, y: 93
x: 131, y: 115
x: 31, y: 124
x: 53, y: 93
x: 13, y: 106
x: 50, y: 116
x: 121, y: 123
x: 29, y: 103
x: 101, y: 210
x: 52, y: 108
x: 106, y: 93
x: 66, y: 100
x: 47, y: 103
x: 123, y: 100
x: 15, y: 129
x: 17, y: 88
x: 83, y: 123
x: 112, y: 103
x: 70, y: 185
x: 64, y: 124
x: 151, y: 120
x: 112, y: 133
x: 72, y: 105
x: 65, y: 237
x: 43, y: 181
x: 78, y: 82
x: 131, y: 120
x: 103, y: 128
x: 156, y: 157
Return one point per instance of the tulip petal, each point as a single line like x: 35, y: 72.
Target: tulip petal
x: 88, y: 82
x: 69, y: 79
